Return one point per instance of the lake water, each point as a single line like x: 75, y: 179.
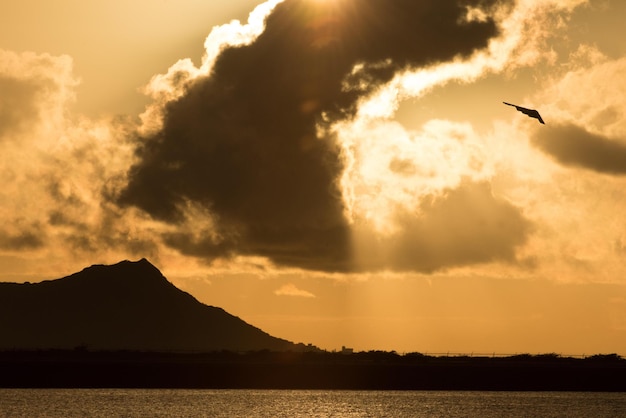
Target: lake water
x: 304, y: 403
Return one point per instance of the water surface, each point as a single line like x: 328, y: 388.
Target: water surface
x: 305, y: 403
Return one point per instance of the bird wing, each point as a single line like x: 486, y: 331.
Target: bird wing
x: 530, y: 112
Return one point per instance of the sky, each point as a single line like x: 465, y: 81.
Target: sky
x: 334, y: 172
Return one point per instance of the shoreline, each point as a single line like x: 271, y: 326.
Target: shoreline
x: 308, y: 370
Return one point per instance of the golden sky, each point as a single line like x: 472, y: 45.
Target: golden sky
x: 338, y: 172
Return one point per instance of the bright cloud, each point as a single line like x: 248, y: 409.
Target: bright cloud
x: 290, y: 289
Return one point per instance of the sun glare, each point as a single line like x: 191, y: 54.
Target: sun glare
x: 333, y: 3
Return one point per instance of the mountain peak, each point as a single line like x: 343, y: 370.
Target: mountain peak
x: 142, y: 263
x: 124, y: 273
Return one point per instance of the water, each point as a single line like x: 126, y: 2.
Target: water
x: 304, y: 403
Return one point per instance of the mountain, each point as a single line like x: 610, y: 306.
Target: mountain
x: 125, y: 306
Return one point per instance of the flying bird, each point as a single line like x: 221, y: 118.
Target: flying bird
x: 530, y: 112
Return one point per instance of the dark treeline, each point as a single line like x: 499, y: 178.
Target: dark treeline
x: 374, y: 370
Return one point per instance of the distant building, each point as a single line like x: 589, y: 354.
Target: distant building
x: 346, y: 350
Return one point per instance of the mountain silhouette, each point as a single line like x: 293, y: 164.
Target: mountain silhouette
x: 125, y: 306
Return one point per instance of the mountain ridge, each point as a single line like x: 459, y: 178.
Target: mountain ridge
x: 129, y: 305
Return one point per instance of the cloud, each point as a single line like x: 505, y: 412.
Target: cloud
x: 244, y: 143
x: 586, y: 102
x: 575, y: 146
x: 590, y: 92
x: 17, y: 105
x: 21, y: 236
x: 56, y: 167
x: 35, y: 87
x: 290, y: 289
x: 274, y: 149
x: 464, y: 226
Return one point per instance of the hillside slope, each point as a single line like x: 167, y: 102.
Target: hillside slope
x: 125, y: 306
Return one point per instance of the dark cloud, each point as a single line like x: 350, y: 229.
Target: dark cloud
x: 573, y: 145
x: 467, y: 225
x: 22, y: 236
x: 242, y: 142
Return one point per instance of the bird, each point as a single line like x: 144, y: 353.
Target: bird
x: 530, y: 112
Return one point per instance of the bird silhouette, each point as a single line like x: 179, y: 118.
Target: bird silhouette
x: 530, y: 112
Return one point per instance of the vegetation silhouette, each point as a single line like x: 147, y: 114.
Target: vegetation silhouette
x: 265, y: 369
